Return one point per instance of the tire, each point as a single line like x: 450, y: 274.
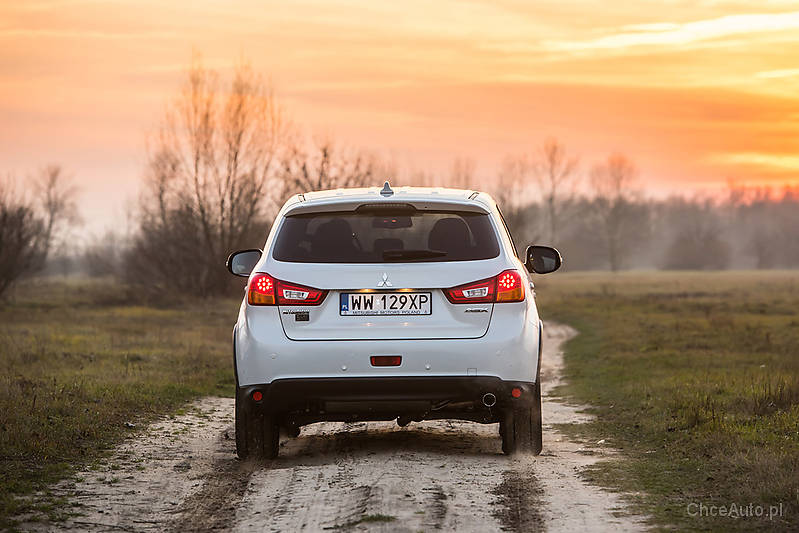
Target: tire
x: 257, y: 434
x: 521, y: 429
x: 242, y: 438
x: 507, y: 445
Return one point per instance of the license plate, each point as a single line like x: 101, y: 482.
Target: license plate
x: 385, y: 303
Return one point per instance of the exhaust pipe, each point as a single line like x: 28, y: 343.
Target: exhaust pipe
x: 489, y: 400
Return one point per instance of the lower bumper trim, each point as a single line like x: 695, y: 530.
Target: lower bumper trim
x: 384, y: 396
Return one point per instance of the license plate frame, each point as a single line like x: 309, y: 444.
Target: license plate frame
x: 392, y: 303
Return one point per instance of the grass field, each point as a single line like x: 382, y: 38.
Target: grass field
x: 78, y: 361
x: 695, y: 378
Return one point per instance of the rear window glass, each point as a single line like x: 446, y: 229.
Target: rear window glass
x: 386, y: 237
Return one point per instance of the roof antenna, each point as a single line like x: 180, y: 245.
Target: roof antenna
x: 386, y: 191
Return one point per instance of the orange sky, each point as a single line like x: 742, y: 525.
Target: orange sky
x: 695, y: 92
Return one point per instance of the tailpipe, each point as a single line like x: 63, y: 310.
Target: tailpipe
x: 489, y: 400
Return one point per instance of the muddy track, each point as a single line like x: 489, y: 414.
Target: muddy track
x: 182, y: 475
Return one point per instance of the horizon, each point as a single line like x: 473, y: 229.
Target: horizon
x: 695, y: 94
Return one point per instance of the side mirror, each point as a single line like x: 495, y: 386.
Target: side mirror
x: 542, y: 259
x: 242, y: 262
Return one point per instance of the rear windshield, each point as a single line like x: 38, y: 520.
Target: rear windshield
x: 385, y: 237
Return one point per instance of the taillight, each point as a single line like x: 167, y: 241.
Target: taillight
x: 505, y: 287
x: 293, y: 294
x: 510, y: 287
x: 261, y: 290
x: 266, y: 290
x: 473, y: 293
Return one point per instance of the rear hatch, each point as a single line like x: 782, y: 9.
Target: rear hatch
x: 386, y: 272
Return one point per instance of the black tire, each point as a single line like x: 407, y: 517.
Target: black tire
x: 506, y: 439
x: 521, y: 429
x: 242, y: 437
x: 257, y: 434
x: 537, y: 440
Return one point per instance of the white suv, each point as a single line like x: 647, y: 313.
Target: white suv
x: 380, y: 304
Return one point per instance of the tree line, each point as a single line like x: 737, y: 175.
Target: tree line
x: 600, y: 219
x: 225, y: 156
x: 31, y: 221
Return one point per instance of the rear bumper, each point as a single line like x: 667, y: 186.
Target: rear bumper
x: 386, y: 398
x: 508, y: 351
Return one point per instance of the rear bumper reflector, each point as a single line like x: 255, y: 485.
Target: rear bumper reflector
x: 386, y: 360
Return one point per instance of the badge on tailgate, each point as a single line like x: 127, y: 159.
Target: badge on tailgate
x: 299, y: 316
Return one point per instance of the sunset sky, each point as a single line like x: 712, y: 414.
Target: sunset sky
x: 695, y: 92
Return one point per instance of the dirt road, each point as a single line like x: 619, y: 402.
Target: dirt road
x: 182, y: 475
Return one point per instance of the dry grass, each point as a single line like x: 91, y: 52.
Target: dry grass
x: 78, y: 362
x: 695, y: 377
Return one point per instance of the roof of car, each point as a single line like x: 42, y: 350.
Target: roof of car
x: 419, y: 196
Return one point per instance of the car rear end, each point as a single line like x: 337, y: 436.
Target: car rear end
x: 370, y: 308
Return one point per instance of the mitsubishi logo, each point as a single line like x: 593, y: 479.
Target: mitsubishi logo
x: 384, y: 282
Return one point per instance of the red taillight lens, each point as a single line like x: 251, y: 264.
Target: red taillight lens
x: 473, y: 293
x: 261, y: 290
x: 510, y: 287
x: 293, y: 294
x: 266, y: 290
x: 506, y: 287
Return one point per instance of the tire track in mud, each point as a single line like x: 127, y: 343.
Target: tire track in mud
x: 213, y: 508
x: 520, y: 500
x: 182, y: 475
x: 434, y: 477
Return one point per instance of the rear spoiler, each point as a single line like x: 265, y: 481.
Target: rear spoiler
x: 359, y: 206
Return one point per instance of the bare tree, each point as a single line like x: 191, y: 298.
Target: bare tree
x: 29, y: 227
x: 698, y: 242
x: 612, y: 183
x: 21, y: 236
x: 208, y: 181
x: 103, y: 255
x: 322, y: 165
x: 462, y: 173
x: 520, y: 214
x: 764, y: 223
x: 555, y: 172
x: 421, y: 178
x: 56, y: 196
x: 510, y: 184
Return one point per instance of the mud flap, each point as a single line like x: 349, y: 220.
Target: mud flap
x: 257, y: 433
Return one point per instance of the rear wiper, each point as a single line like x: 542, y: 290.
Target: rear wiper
x: 399, y: 255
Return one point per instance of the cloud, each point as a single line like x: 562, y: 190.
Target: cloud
x: 654, y: 27
x: 669, y: 34
x: 773, y: 161
x: 782, y: 73
x: 82, y: 34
